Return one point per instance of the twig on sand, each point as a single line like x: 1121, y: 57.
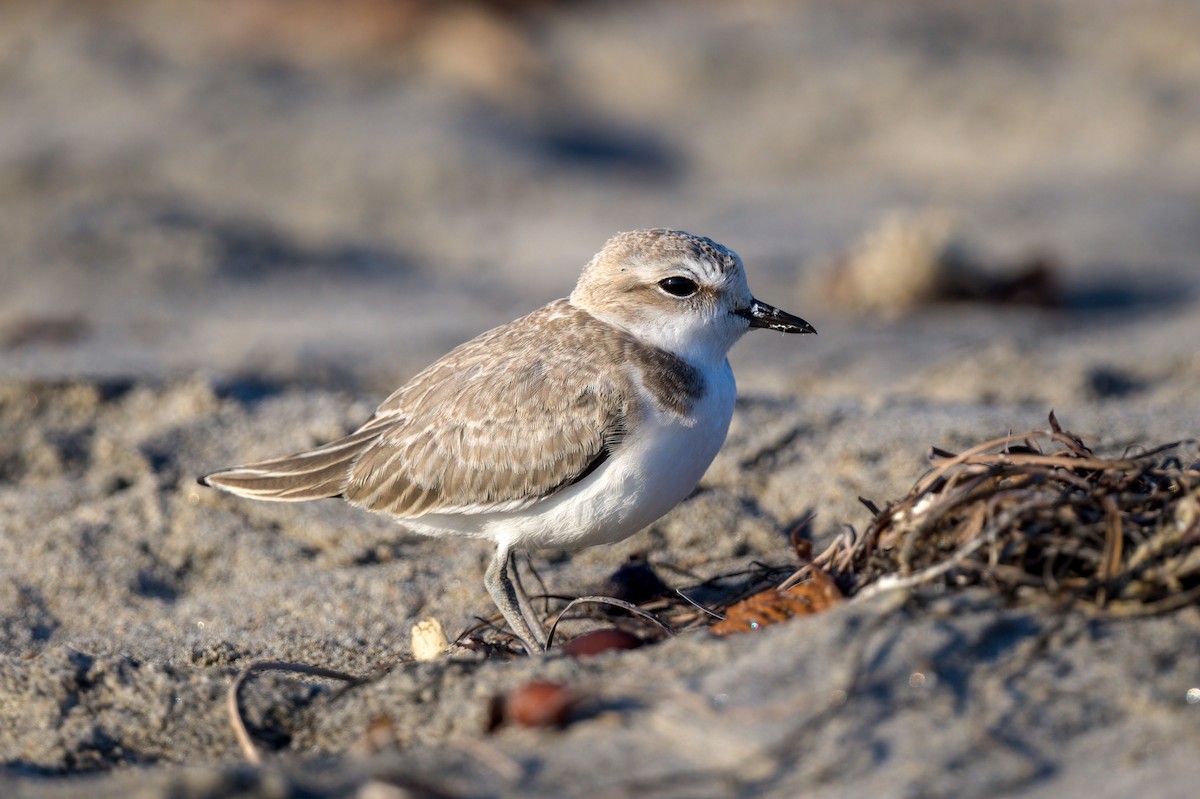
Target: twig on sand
x: 233, y: 697
x: 606, y: 600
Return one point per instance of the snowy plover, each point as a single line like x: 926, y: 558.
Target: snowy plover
x: 576, y: 425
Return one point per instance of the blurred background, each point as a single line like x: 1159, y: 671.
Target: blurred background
x: 338, y: 192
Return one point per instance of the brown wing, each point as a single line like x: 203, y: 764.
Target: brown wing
x: 314, y: 474
x: 497, y: 424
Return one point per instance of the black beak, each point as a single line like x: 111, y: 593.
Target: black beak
x: 762, y: 315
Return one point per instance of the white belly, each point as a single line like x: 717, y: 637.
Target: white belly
x: 650, y: 473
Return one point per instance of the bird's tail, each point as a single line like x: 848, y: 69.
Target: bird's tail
x: 314, y: 474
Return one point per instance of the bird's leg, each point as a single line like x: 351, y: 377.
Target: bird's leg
x: 505, y: 596
x: 524, y: 602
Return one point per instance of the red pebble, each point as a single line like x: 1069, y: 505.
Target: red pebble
x: 599, y: 641
x: 540, y: 703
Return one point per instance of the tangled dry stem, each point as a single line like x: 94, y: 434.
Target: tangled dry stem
x: 1037, y: 516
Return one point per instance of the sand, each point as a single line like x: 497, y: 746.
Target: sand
x: 224, y: 238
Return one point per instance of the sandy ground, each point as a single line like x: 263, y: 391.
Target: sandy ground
x: 228, y: 232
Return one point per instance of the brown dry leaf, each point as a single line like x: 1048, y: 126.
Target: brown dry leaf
x: 773, y: 606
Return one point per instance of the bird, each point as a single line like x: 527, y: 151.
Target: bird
x: 575, y: 425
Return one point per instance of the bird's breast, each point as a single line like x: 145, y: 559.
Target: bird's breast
x: 655, y: 468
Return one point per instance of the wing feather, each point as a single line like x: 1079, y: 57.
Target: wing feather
x: 500, y: 423
x: 313, y: 474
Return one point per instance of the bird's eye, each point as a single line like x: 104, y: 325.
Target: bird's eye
x: 678, y: 286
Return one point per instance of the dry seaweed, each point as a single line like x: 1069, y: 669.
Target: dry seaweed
x: 1037, y: 516
x: 912, y: 260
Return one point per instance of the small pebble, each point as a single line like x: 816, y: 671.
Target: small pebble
x: 428, y: 640
x: 599, y: 641
x: 541, y: 703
